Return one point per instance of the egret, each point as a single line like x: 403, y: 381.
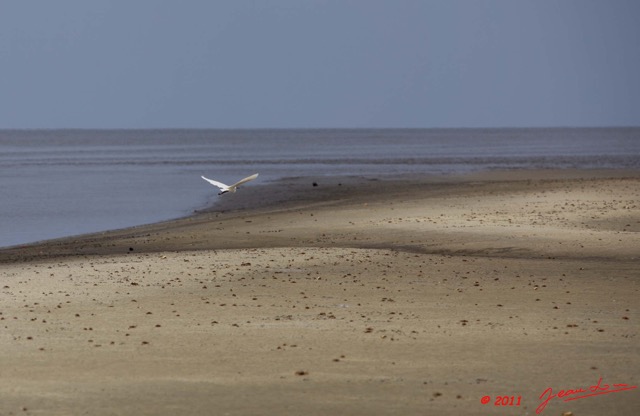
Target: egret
x: 230, y: 188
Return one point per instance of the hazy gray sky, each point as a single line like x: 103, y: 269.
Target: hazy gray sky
x: 305, y: 63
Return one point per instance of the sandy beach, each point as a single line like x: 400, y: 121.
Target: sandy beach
x: 465, y: 295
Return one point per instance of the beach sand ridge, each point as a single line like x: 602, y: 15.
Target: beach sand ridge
x: 357, y: 297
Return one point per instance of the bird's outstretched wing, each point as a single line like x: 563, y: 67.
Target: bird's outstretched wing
x: 247, y: 179
x: 216, y: 183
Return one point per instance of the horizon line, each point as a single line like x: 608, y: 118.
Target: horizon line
x: 321, y: 128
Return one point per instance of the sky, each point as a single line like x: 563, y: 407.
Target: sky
x: 319, y: 63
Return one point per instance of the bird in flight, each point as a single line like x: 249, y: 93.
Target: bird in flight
x: 230, y: 188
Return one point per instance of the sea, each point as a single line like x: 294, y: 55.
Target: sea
x: 58, y: 183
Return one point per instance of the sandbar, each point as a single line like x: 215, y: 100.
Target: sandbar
x: 471, y: 294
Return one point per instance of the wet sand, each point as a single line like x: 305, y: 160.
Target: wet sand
x: 355, y: 296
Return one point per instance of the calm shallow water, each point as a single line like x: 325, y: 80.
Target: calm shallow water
x: 65, y: 182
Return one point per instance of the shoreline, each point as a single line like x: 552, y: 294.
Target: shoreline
x: 297, y: 193
x: 359, y: 296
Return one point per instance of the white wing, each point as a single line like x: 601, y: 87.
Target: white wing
x: 247, y: 179
x: 216, y: 183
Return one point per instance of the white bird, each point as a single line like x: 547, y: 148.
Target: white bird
x: 230, y: 188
